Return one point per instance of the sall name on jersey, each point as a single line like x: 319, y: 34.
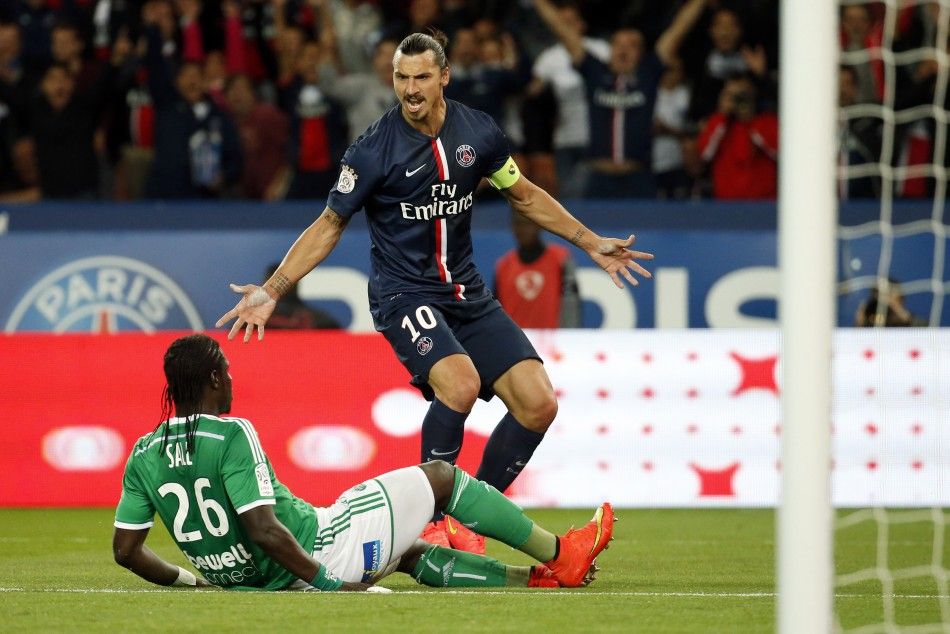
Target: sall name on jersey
x: 179, y: 458
x: 444, y: 203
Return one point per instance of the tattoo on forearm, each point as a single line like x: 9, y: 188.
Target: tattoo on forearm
x: 280, y: 283
x: 576, y: 238
x: 334, y: 218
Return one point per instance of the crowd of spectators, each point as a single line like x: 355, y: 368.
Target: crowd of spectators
x: 258, y: 99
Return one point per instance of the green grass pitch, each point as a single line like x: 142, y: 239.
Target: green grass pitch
x: 667, y: 571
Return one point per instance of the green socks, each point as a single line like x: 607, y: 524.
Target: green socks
x: 488, y: 512
x: 447, y: 568
x: 441, y: 567
x: 541, y: 545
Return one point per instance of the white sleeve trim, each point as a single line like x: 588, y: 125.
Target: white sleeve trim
x: 133, y: 527
x: 254, y: 505
x: 257, y: 452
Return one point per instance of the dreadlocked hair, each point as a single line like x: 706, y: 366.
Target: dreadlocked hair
x: 188, y: 364
x: 418, y: 43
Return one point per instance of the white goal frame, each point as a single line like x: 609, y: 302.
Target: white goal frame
x: 807, y: 238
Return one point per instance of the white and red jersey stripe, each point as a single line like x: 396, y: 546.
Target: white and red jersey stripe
x: 441, y: 226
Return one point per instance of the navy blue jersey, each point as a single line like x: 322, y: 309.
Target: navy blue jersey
x: 621, y: 109
x: 417, y: 192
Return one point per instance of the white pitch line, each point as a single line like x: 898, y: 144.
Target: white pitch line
x: 437, y: 592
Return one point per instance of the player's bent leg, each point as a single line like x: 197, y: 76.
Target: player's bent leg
x: 443, y: 429
x: 448, y: 532
x: 440, y: 368
x: 364, y: 534
x: 446, y: 568
x: 571, y: 557
x: 455, y: 382
x: 441, y: 567
x: 412, y: 499
x: 410, y: 558
x: 485, y: 510
x: 527, y: 392
x: 441, y: 477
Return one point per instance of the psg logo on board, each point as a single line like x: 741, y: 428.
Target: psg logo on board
x: 465, y: 155
x: 104, y: 293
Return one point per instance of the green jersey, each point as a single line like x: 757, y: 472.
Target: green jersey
x: 200, y: 494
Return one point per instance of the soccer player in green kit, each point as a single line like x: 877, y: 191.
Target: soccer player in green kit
x: 208, y: 478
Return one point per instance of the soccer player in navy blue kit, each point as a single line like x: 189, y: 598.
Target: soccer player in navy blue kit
x: 415, y: 172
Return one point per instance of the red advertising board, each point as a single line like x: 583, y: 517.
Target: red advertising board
x: 645, y: 418
x: 74, y: 405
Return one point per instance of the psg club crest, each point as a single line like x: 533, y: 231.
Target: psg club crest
x: 347, y: 180
x: 424, y: 345
x: 465, y: 155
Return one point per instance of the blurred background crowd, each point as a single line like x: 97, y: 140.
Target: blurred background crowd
x: 258, y: 99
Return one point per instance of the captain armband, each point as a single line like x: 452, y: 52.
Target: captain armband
x: 507, y: 176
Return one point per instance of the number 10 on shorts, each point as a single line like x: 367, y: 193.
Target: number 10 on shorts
x: 424, y: 317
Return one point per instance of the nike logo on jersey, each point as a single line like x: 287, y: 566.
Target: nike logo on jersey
x: 408, y: 173
x: 445, y: 453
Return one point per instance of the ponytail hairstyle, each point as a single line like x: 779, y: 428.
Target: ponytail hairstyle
x: 418, y: 43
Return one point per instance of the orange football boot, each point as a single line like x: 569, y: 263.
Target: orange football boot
x: 542, y: 577
x: 579, y: 547
x: 435, y: 533
x: 461, y: 537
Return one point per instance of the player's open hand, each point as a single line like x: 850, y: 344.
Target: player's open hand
x: 254, y: 309
x: 614, y: 256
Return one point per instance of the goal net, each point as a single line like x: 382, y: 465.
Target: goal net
x: 894, y: 271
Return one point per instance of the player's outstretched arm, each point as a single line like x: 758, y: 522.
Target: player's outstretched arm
x: 258, y: 302
x: 611, y: 254
x: 130, y: 551
x: 265, y: 529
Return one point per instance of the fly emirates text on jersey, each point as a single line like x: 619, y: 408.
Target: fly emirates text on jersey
x: 444, y: 203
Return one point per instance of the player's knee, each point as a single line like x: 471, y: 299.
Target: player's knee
x: 462, y: 393
x: 541, y: 414
x: 122, y: 557
x: 441, y: 476
x: 410, y: 558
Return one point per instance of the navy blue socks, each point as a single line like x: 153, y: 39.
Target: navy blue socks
x: 442, y: 432
x: 508, y: 450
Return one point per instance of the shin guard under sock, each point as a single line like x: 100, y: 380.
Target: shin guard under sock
x: 486, y: 511
x: 448, y: 568
x: 509, y: 448
x: 442, y: 432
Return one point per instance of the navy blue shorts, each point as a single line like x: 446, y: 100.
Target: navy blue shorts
x: 422, y: 331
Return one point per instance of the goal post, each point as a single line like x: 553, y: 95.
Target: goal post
x: 807, y: 234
